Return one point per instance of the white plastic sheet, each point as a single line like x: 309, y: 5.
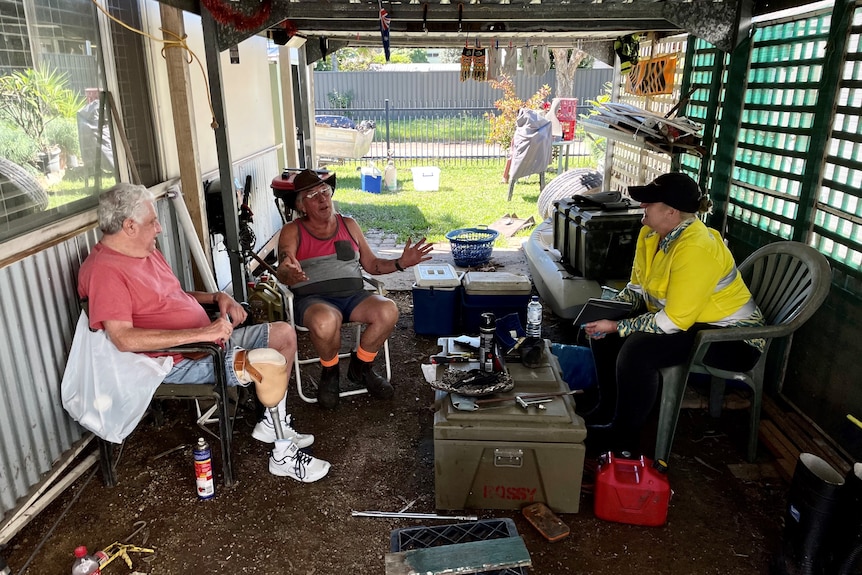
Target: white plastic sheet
x: 107, y: 390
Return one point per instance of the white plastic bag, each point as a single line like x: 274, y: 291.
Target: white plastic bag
x: 107, y: 390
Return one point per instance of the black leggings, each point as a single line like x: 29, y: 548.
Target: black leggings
x: 628, y: 375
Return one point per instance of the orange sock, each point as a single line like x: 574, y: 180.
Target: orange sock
x: 365, y: 356
x: 329, y: 362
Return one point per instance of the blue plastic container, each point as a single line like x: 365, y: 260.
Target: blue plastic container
x: 371, y: 183
x: 436, y: 310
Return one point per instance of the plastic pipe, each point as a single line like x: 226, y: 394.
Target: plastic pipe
x: 176, y: 195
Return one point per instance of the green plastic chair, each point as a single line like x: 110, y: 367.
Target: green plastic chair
x: 789, y: 281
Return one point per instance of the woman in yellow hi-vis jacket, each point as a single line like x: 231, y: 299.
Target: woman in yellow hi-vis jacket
x: 683, y: 279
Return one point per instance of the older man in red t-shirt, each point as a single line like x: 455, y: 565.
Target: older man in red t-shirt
x: 135, y: 297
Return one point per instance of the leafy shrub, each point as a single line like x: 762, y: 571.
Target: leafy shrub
x: 502, y: 126
x: 17, y: 146
x: 64, y: 133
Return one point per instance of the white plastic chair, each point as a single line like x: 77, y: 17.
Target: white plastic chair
x: 299, y: 362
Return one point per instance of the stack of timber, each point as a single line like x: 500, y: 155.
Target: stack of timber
x: 787, y: 433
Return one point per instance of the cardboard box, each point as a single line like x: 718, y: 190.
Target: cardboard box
x: 500, y: 293
x: 509, y: 456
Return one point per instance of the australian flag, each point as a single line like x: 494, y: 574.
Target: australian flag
x: 385, y: 20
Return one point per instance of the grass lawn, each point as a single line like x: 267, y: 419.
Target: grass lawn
x: 469, y: 196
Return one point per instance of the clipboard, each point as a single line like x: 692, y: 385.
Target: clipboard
x: 596, y: 309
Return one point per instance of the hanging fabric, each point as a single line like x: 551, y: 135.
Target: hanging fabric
x: 510, y: 62
x: 529, y: 55
x: 385, y: 22
x: 543, y: 60
x: 627, y: 48
x: 466, y: 63
x: 480, y: 72
x: 653, y: 77
x: 492, y: 62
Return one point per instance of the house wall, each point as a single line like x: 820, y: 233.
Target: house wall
x: 38, y: 303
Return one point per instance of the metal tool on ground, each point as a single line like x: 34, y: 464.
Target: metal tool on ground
x: 121, y: 550
x: 402, y: 515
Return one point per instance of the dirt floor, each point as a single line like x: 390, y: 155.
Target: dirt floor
x: 382, y: 458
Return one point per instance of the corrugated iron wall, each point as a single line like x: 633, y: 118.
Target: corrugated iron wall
x: 38, y: 314
x: 440, y: 89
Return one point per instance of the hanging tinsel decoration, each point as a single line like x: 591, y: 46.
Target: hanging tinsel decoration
x: 227, y: 16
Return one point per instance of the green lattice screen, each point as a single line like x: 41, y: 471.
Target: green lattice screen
x: 773, y: 141
x: 838, y: 213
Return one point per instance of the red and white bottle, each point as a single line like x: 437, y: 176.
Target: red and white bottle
x: 85, y: 564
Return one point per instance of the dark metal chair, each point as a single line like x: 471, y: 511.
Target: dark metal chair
x: 219, y: 412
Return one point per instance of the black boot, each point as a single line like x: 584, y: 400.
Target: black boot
x: 810, y: 518
x: 329, y: 388
x: 362, y: 373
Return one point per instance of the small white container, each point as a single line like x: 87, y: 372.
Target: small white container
x: 426, y: 178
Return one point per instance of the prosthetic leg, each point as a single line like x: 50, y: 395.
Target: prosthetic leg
x: 268, y: 369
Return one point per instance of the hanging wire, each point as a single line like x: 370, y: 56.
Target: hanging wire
x: 177, y: 42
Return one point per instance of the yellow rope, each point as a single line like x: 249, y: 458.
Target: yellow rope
x: 179, y: 42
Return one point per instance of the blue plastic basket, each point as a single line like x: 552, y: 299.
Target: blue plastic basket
x: 472, y: 246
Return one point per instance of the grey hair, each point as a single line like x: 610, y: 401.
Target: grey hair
x: 121, y: 202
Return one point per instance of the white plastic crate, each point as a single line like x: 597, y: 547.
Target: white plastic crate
x: 426, y: 178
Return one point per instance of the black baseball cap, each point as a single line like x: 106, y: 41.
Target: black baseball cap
x: 676, y: 189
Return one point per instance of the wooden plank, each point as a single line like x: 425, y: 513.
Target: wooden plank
x: 784, y: 456
x: 460, y: 558
x: 815, y: 444
x: 756, y: 471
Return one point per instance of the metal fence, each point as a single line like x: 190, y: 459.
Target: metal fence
x: 425, y: 115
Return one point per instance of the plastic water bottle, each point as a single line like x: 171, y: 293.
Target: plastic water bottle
x: 534, y: 318
x: 84, y: 564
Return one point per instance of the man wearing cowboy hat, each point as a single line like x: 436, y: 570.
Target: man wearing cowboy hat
x: 321, y: 258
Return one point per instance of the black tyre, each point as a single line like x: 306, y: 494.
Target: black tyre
x: 20, y: 193
x: 568, y: 184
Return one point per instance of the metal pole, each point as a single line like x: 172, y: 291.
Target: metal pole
x: 386, y: 115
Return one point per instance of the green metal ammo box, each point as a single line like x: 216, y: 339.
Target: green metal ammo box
x: 504, y: 456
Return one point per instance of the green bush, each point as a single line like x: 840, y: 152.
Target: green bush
x: 64, y: 133
x: 17, y: 146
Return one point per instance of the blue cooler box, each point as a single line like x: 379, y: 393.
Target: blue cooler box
x: 436, y: 299
x: 371, y: 183
x: 501, y: 293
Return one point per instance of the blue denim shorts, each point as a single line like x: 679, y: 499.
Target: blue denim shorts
x: 345, y: 305
x: 201, y: 370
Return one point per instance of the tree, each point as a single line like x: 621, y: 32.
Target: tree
x: 502, y: 126
x: 33, y: 98
x: 566, y: 62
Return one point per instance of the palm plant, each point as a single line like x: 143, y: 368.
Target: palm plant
x: 33, y: 98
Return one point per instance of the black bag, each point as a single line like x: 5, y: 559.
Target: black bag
x: 604, y: 201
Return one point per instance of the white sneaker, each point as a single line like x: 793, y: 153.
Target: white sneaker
x: 287, y: 460
x: 264, y: 431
